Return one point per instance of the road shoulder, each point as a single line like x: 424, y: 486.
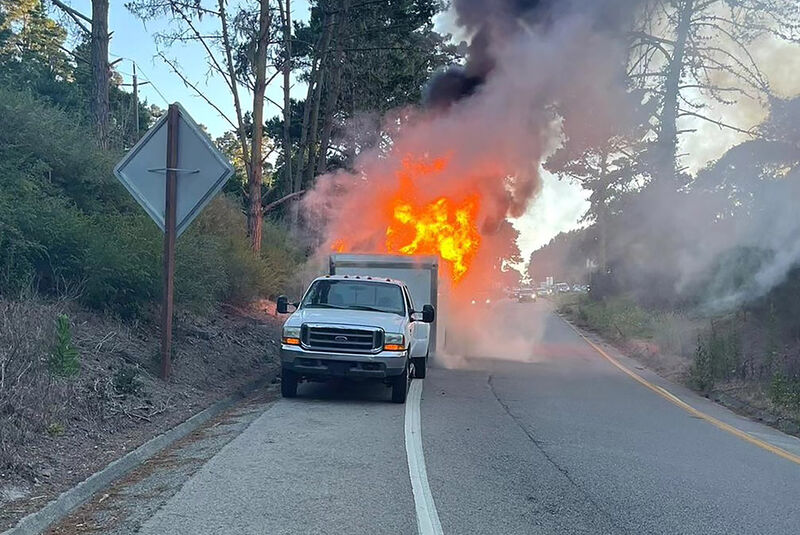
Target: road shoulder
x: 708, y: 409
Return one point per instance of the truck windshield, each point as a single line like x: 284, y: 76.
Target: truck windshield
x: 355, y: 295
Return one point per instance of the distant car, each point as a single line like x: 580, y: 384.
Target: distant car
x: 526, y: 296
x: 483, y: 299
x: 562, y: 287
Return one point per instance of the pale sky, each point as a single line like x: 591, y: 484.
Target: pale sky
x: 558, y: 208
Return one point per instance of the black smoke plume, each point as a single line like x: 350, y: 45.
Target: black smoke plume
x: 493, y: 22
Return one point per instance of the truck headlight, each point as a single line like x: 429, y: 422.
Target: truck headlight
x: 394, y: 342
x: 291, y: 336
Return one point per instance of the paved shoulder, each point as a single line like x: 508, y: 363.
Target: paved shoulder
x: 313, y: 465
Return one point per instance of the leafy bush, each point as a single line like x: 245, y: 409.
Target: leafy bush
x: 55, y: 429
x: 55, y: 143
x: 717, y: 356
x: 785, y: 391
x: 126, y: 380
x: 701, y: 374
x: 64, y: 360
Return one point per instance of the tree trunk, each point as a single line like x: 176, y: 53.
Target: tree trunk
x: 668, y: 134
x: 320, y: 49
x: 255, y: 212
x: 602, y: 213
x: 314, y: 124
x: 240, y: 130
x: 333, y: 95
x: 297, y: 179
x: 287, y: 103
x: 328, y: 118
x: 100, y: 71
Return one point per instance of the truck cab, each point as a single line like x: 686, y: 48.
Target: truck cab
x: 355, y: 327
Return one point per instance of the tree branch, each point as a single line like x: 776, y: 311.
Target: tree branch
x: 212, y: 58
x: 75, y: 15
x: 282, y: 200
x: 199, y: 93
x: 75, y: 55
x: 685, y: 113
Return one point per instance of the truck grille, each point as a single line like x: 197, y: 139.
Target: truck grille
x: 330, y: 338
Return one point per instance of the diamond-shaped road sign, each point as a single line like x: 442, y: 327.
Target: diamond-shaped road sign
x: 202, y: 170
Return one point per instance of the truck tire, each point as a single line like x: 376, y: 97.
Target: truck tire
x: 400, y: 386
x: 288, y: 383
x: 420, y: 364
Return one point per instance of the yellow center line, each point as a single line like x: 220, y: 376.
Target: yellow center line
x: 666, y: 394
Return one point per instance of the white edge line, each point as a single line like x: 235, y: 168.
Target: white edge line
x: 427, y: 516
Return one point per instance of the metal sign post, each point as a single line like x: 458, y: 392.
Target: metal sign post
x: 195, y: 171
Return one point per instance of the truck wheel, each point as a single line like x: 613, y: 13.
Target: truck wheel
x: 288, y: 383
x: 400, y: 386
x: 420, y: 364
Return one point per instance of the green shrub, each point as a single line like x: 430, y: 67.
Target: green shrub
x: 55, y: 429
x: 701, y: 373
x: 785, y: 392
x: 126, y: 380
x: 281, y: 257
x: 717, y: 356
x: 56, y: 143
x: 216, y: 262
x: 64, y: 359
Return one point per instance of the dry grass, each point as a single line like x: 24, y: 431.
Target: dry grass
x: 31, y: 402
x: 55, y: 429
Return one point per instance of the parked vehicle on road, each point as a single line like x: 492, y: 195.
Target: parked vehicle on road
x: 562, y: 287
x: 543, y: 291
x: 482, y: 298
x: 526, y: 295
x: 355, y: 327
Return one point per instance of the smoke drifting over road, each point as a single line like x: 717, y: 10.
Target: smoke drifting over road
x: 540, y: 75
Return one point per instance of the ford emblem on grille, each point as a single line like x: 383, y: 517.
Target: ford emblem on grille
x: 341, y: 339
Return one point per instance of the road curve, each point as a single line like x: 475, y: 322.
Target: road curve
x: 561, y: 442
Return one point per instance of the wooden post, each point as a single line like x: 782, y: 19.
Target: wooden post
x: 135, y: 102
x: 169, y: 238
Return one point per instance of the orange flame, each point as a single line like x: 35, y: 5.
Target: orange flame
x: 444, y: 226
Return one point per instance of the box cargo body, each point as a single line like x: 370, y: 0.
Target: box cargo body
x: 420, y: 273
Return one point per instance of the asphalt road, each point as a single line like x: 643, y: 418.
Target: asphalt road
x: 555, y: 441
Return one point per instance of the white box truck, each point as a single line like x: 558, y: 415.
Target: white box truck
x: 373, y: 317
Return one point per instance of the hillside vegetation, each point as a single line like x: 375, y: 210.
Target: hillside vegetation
x: 81, y: 279
x: 68, y: 228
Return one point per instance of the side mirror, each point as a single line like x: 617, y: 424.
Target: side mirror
x: 282, y: 305
x: 428, y: 314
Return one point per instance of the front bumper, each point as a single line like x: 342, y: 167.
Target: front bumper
x: 324, y: 365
